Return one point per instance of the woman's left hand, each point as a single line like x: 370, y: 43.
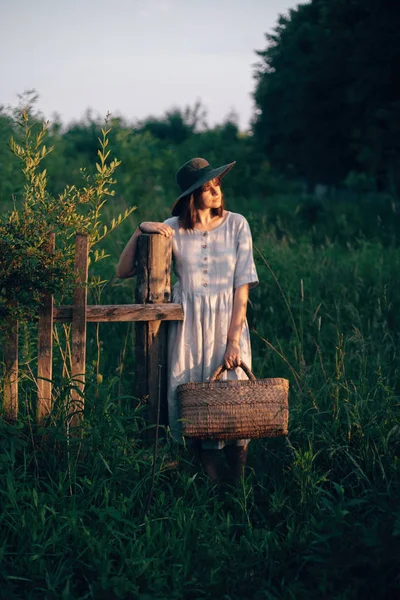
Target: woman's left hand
x: 232, y: 355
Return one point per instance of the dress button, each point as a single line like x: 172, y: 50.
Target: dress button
x: 205, y: 258
x: 205, y: 285
x: 205, y: 271
x: 205, y: 233
x: 204, y: 245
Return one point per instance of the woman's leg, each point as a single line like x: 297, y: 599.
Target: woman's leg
x: 193, y: 447
x: 210, y: 459
x: 236, y: 457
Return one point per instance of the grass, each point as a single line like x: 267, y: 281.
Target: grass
x: 317, y: 515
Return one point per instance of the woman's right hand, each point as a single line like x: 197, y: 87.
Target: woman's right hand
x: 154, y: 227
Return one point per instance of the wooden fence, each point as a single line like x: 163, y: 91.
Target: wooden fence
x: 153, y: 308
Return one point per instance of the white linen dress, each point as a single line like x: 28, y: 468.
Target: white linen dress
x: 209, y: 266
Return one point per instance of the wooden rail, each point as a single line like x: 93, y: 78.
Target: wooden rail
x: 122, y: 312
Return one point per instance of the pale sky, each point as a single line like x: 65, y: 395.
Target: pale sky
x: 134, y: 57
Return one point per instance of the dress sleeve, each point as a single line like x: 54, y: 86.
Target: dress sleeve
x: 245, y: 269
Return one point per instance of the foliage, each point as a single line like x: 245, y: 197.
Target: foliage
x: 28, y: 269
x: 327, y: 92
x: 11, y: 180
x: 317, y: 515
x: 176, y: 126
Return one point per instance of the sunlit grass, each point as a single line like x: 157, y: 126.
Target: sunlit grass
x: 317, y: 515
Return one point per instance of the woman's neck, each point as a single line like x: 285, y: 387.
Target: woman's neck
x: 205, y: 217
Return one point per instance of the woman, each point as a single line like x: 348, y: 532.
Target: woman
x: 213, y: 261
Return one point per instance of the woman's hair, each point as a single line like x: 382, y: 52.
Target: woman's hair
x: 190, y: 203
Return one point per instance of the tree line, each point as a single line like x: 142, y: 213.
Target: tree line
x: 327, y: 111
x: 327, y: 93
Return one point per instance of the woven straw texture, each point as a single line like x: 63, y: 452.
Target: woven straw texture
x: 229, y: 410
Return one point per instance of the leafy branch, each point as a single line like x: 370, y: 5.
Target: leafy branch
x: 27, y: 270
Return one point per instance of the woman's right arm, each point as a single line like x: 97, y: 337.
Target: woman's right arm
x: 126, y: 264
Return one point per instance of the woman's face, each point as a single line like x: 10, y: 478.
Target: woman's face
x: 210, y: 195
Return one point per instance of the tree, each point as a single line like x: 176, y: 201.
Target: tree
x: 177, y: 125
x: 326, y: 91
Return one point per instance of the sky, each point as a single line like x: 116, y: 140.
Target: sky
x: 134, y: 58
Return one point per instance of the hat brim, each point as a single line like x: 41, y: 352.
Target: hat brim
x: 218, y: 172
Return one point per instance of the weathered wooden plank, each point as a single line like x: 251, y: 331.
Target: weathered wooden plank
x: 159, y: 265
x: 156, y: 356
x: 10, y: 399
x: 45, y: 349
x: 153, y: 286
x: 122, y: 312
x: 141, y: 329
x: 78, y: 348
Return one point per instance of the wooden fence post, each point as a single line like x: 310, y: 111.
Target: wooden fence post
x: 45, y: 349
x: 11, y: 369
x: 153, y: 286
x: 78, y: 349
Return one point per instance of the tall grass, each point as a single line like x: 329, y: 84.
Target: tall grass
x: 317, y: 515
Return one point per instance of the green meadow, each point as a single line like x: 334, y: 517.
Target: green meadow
x: 106, y: 515
x: 317, y: 515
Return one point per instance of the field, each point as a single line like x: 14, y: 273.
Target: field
x: 103, y: 516
x: 317, y: 515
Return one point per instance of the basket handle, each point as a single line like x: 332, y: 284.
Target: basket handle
x: 219, y: 370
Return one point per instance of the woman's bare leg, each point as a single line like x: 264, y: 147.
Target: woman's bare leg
x: 210, y: 461
x: 236, y: 457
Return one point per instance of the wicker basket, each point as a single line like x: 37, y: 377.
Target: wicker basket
x: 234, y: 409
